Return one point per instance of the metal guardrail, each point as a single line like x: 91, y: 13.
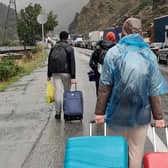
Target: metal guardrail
x: 15, y: 49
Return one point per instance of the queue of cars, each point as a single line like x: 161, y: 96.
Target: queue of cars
x: 161, y: 51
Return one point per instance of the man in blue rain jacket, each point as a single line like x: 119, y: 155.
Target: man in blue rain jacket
x: 129, y: 89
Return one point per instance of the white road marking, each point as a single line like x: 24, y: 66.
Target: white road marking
x: 161, y: 147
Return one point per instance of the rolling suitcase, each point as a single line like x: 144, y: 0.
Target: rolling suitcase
x: 96, y: 151
x: 73, y: 105
x: 156, y: 159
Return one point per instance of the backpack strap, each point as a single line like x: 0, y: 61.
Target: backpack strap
x: 67, y: 53
x: 63, y: 46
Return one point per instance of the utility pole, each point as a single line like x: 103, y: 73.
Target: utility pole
x: 12, y: 4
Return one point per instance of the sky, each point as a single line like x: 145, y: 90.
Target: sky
x: 65, y: 9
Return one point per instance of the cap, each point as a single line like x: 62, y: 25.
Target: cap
x: 110, y: 36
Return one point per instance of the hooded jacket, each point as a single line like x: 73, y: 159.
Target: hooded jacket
x: 98, y: 54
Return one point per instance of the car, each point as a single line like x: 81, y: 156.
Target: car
x: 163, y: 53
x: 155, y: 47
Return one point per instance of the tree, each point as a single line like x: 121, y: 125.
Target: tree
x: 51, y: 22
x: 29, y: 30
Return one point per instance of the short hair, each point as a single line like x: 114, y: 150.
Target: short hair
x: 131, y: 26
x: 63, y: 35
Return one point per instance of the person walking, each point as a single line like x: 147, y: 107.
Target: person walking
x: 49, y: 42
x: 130, y: 88
x: 97, y: 57
x: 61, y: 66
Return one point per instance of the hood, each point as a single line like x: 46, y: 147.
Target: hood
x: 134, y: 39
x: 105, y: 44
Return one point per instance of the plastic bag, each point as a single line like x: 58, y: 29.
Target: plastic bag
x: 50, y: 92
x: 91, y: 76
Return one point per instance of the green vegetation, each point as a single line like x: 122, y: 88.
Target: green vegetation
x: 37, y: 61
x: 8, y: 68
x: 29, y: 30
x: 10, y: 72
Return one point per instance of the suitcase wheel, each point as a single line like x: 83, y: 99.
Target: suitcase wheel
x: 69, y: 118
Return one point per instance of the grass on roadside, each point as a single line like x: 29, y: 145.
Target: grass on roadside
x: 28, y: 67
x: 37, y: 61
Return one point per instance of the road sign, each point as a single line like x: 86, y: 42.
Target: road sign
x: 42, y: 19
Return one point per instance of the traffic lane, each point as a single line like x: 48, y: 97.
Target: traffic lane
x: 49, y: 152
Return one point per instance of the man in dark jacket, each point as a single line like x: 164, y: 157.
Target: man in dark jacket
x: 97, y: 57
x: 61, y: 66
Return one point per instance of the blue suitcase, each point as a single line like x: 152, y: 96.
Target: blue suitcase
x: 96, y: 152
x: 73, y: 105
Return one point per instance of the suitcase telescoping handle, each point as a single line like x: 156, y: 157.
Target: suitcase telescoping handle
x: 75, y: 84
x: 91, y: 128
x: 154, y: 136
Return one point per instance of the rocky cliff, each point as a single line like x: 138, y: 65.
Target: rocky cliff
x: 99, y: 14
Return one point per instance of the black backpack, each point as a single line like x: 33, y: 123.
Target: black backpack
x: 59, y: 58
x: 105, y: 46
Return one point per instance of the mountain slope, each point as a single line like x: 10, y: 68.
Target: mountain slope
x: 98, y: 14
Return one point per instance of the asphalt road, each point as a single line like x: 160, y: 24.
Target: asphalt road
x: 30, y: 137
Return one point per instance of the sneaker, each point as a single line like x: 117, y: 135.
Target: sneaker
x: 58, y: 116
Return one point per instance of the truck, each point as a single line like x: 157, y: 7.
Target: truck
x: 94, y: 37
x: 76, y: 39
x: 161, y: 29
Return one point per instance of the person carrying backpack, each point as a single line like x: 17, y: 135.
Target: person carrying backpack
x: 61, y: 66
x: 97, y: 57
